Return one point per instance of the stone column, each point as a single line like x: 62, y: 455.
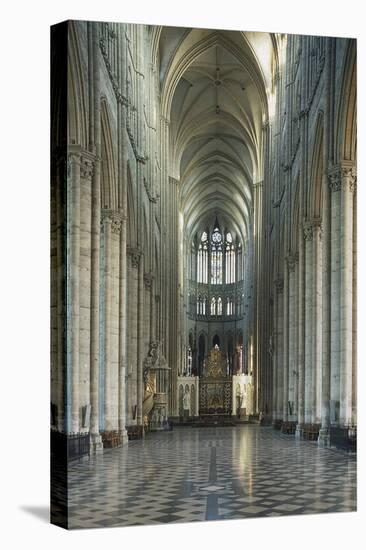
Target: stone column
x: 148, y: 283
x: 95, y: 147
x: 111, y: 222
x: 122, y: 332
x: 279, y: 348
x: 326, y: 242
x: 85, y: 290
x: 354, y: 315
x: 274, y: 355
x: 115, y: 316
x: 334, y: 186
x: 96, y: 441
x: 73, y: 310
x: 106, y: 222
x: 122, y: 148
x: 132, y: 300
x: 292, y: 332
x: 301, y: 339
x: 348, y: 184
x: 256, y: 294
x: 140, y: 346
x: 308, y: 388
x: 285, y: 343
x: 317, y: 323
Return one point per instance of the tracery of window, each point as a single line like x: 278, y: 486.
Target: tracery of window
x: 202, y: 260
x: 213, y: 305
x: 219, y: 306
x: 229, y: 259
x: 216, y: 257
x: 229, y: 306
x: 201, y: 305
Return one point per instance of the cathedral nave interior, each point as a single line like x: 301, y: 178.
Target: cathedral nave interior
x: 203, y: 268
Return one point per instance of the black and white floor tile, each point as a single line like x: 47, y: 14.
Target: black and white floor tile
x: 197, y: 474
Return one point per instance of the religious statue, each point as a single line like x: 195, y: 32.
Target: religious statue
x: 186, y: 401
x: 239, y: 398
x: 189, y: 362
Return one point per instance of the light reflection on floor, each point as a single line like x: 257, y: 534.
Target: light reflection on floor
x: 196, y: 474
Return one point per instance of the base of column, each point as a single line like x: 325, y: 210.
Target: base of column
x: 96, y: 443
x: 114, y: 438
x: 135, y: 431
x: 324, y: 437
x: 299, y: 431
x: 124, y: 437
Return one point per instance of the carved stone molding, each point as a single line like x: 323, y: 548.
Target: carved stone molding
x: 153, y: 197
x: 279, y: 285
x: 117, y: 91
x: 304, y: 112
x: 148, y: 280
x: 139, y: 157
x: 114, y: 218
x: 292, y: 260
x: 135, y: 255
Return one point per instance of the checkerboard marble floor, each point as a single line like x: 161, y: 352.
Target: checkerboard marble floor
x: 196, y: 474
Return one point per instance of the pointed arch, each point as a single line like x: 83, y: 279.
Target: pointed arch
x: 77, y: 127
x: 347, y: 110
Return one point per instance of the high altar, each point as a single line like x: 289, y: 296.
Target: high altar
x: 216, y: 391
x: 215, y: 386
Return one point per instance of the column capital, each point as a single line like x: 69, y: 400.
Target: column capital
x: 173, y: 181
x: 87, y: 164
x: 292, y: 260
x: 311, y: 226
x: 112, y: 217
x: 258, y: 184
x: 135, y: 255
x: 148, y: 280
x: 72, y: 159
x: 343, y: 176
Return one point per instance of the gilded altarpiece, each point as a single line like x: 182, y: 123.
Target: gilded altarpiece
x: 215, y: 385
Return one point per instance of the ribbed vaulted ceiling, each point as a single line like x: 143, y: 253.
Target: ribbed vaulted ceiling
x: 215, y: 87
